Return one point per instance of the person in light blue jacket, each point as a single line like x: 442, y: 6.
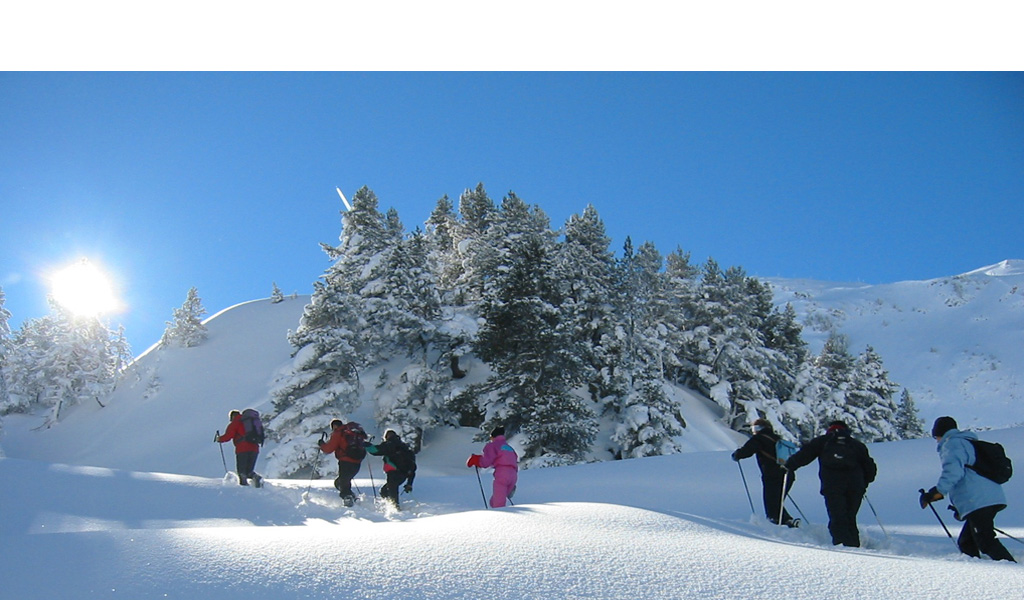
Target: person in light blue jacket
x: 976, y: 499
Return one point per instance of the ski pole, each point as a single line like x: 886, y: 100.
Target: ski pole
x: 1007, y: 535
x: 782, y: 500
x: 797, y: 507
x: 480, y: 481
x: 936, y: 513
x: 744, y: 477
x: 373, y: 486
x: 872, y: 507
x: 312, y: 473
x: 223, y: 460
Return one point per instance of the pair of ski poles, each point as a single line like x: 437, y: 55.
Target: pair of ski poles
x: 785, y: 495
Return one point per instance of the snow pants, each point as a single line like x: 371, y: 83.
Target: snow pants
x: 346, y: 471
x: 504, y: 482
x: 389, y: 491
x: 771, y: 494
x: 978, y: 535
x: 842, y: 506
x: 245, y: 466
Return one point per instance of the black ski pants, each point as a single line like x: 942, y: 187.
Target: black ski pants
x: 389, y: 491
x: 842, y: 506
x: 979, y: 535
x: 245, y: 466
x: 346, y: 471
x: 772, y: 494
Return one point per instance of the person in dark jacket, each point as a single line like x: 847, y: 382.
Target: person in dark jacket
x: 399, y: 465
x: 974, y: 496
x: 246, y: 453
x: 845, y: 469
x: 773, y: 476
x: 348, y: 461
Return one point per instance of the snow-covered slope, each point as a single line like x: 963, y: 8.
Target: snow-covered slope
x: 956, y: 343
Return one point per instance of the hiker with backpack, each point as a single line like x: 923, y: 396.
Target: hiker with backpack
x: 845, y: 469
x: 976, y: 498
x: 399, y: 465
x: 245, y: 430
x: 348, y: 443
x: 501, y: 456
x: 775, y: 482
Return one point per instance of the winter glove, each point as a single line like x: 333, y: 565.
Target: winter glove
x: 408, y: 488
x: 930, y: 496
x: 734, y: 457
x: 474, y: 460
x: 216, y: 437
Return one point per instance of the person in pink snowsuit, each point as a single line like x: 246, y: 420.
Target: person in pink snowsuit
x: 501, y: 456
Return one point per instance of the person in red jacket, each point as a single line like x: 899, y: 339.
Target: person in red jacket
x: 245, y: 452
x: 349, y: 451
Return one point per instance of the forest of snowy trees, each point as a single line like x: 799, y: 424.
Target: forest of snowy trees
x: 576, y: 340
x: 579, y: 344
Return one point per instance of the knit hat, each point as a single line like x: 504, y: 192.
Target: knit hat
x: 499, y: 430
x: 942, y: 425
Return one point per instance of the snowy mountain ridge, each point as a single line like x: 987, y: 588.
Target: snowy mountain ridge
x: 953, y: 342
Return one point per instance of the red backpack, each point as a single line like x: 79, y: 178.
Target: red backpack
x: 355, y: 440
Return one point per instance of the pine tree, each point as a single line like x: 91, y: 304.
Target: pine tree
x: 276, y: 297
x: 331, y: 343
x: 584, y: 270
x: 535, y: 360
x: 187, y: 328
x: 404, y: 312
x: 909, y: 425
x: 59, y: 361
x: 870, y: 399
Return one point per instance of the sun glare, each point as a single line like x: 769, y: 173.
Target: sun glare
x: 84, y: 289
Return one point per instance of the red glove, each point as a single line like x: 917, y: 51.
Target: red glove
x: 474, y: 460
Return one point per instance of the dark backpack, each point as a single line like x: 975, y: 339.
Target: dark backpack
x: 839, y: 453
x: 355, y: 441
x: 991, y: 462
x: 403, y: 458
x: 253, y: 426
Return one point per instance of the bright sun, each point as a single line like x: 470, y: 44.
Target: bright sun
x: 84, y: 289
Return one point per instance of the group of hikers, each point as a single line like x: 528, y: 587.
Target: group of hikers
x: 845, y: 469
x: 350, y: 444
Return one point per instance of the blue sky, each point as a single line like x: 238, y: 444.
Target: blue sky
x: 225, y: 181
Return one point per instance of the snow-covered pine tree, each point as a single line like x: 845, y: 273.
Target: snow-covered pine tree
x: 441, y: 230
x: 870, y: 399
x: 331, y: 343
x: 646, y: 420
x: 473, y: 252
x: 535, y: 361
x: 821, y: 388
x: 404, y: 311
x: 187, y: 328
x: 276, y: 297
x: 585, y: 270
x: 59, y: 361
x: 909, y: 425
x: 731, y: 361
